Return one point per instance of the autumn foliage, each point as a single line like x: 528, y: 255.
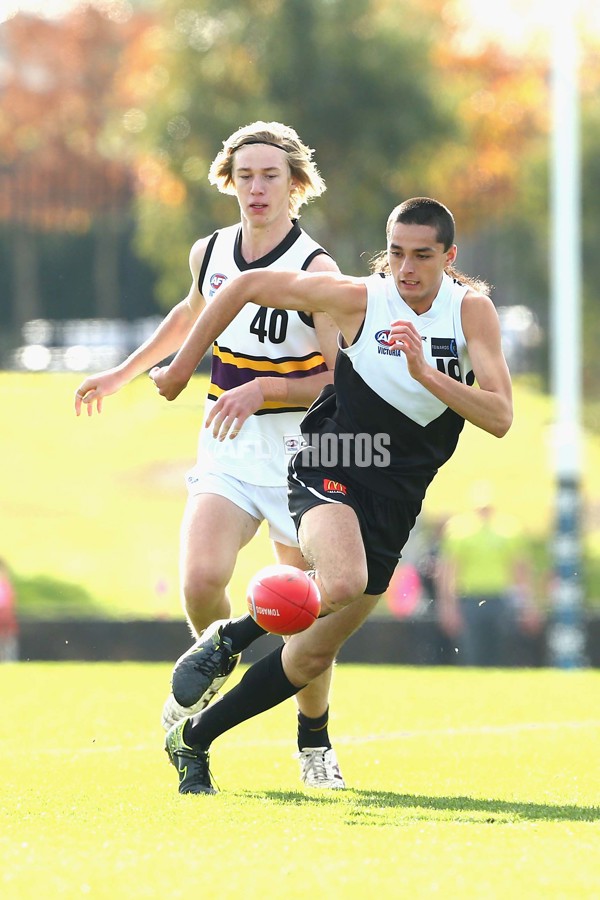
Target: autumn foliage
x: 58, y: 92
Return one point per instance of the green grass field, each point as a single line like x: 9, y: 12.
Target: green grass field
x: 463, y: 784
x: 96, y: 502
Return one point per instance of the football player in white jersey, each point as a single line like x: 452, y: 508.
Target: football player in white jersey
x: 420, y: 354
x: 267, y: 368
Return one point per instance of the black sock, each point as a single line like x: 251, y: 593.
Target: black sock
x: 262, y: 686
x: 313, y: 732
x: 243, y: 632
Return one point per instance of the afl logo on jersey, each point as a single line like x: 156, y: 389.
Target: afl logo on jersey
x: 382, y: 337
x: 216, y: 280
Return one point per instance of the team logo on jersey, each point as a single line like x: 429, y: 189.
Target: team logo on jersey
x: 444, y: 347
x: 216, y: 280
x: 292, y: 443
x: 333, y: 487
x: 385, y: 345
x: 382, y: 337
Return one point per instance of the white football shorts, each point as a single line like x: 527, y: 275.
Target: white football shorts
x: 265, y: 503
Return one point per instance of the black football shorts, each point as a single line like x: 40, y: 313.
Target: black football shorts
x: 385, y: 524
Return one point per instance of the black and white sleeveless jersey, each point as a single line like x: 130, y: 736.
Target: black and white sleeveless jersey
x: 392, y: 434
x: 258, y: 342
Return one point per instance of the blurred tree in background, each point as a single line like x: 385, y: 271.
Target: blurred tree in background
x: 111, y: 115
x: 350, y: 76
x: 109, y: 119
x: 65, y: 198
x: 392, y: 100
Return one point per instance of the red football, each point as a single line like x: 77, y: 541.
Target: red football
x: 283, y: 599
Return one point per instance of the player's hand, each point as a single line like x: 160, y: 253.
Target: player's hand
x: 405, y: 337
x: 94, y: 388
x: 168, y: 383
x: 233, y: 408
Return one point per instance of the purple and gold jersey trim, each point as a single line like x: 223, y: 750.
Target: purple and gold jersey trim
x: 298, y: 366
x: 229, y: 370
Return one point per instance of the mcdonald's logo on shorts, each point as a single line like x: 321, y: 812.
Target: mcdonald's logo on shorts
x: 333, y: 487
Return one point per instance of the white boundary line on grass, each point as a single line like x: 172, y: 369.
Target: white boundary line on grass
x: 514, y: 728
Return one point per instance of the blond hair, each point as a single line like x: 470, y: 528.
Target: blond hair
x: 307, y: 181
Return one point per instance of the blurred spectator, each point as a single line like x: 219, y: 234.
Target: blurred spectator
x: 405, y: 592
x: 485, y: 600
x: 9, y: 628
x: 412, y: 592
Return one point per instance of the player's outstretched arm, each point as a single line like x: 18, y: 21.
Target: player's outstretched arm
x: 343, y: 297
x: 164, y: 341
x: 167, y: 338
x: 230, y: 411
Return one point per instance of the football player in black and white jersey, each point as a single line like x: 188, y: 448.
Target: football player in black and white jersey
x: 267, y: 368
x: 420, y: 354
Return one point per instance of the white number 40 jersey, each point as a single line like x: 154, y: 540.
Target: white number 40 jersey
x: 259, y: 342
